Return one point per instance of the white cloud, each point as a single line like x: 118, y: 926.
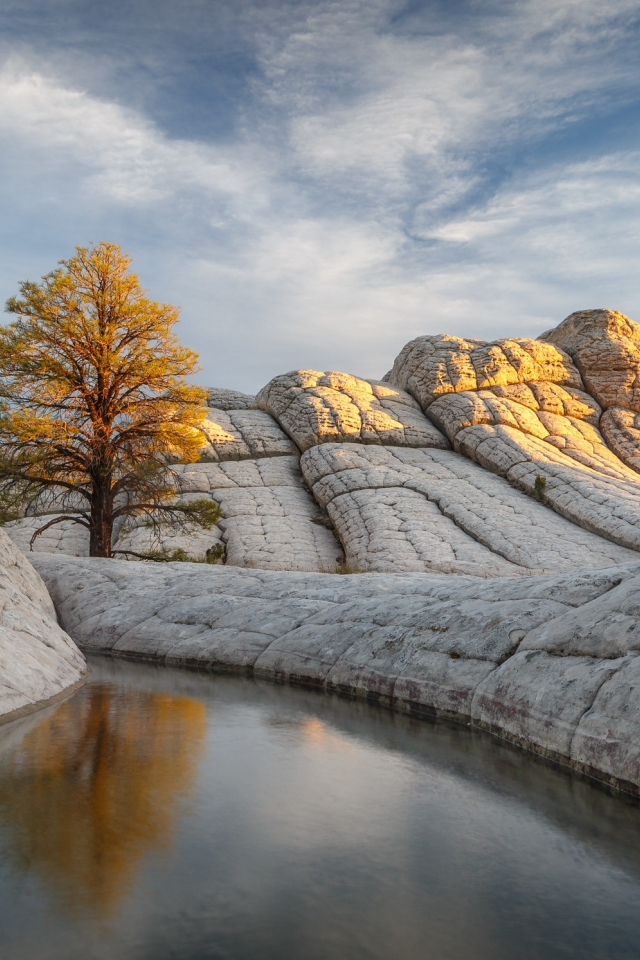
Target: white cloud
x: 349, y: 213
x: 123, y: 156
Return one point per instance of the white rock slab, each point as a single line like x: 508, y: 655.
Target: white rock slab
x: 38, y: 661
x: 225, y: 399
x: 243, y: 435
x: 433, y: 509
x: 462, y: 646
x: 67, y: 537
x: 267, y: 514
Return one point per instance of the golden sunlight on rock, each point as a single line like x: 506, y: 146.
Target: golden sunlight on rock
x: 95, y: 788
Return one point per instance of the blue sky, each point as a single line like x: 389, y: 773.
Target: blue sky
x: 316, y: 183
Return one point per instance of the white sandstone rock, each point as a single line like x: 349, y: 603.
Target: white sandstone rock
x: 243, y: 435
x: 267, y: 514
x: 38, y: 661
x: 224, y: 399
x: 66, y: 537
x: 315, y: 407
x: 399, y: 509
x: 459, y: 646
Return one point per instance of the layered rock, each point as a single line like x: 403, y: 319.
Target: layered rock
x: 268, y: 515
x: 38, y: 661
x: 243, y: 435
x: 520, y: 409
x: 605, y: 347
x: 557, y: 418
x: 398, y: 509
x: 223, y: 399
x: 512, y: 655
x: 315, y: 407
x: 66, y: 537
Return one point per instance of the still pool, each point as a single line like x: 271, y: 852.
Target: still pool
x: 164, y: 814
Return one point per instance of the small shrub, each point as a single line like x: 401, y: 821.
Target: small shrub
x: 214, y: 554
x: 539, y: 486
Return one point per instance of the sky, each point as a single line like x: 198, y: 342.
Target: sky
x: 316, y: 182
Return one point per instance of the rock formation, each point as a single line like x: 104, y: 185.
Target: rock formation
x: 550, y: 662
x: 552, y: 426
x: 487, y: 493
x: 38, y: 661
x: 315, y: 407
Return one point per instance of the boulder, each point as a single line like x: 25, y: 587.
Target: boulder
x: 315, y: 407
x: 38, y: 661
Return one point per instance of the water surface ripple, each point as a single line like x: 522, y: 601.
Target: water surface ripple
x: 166, y: 815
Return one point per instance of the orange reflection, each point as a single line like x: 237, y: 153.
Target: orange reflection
x: 318, y: 734
x: 95, y: 787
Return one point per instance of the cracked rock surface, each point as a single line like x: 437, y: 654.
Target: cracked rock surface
x: 243, y: 435
x: 67, y: 537
x: 605, y: 347
x: 510, y: 654
x: 38, y: 661
x: 532, y: 411
x: 542, y: 476
x: 268, y: 515
x: 315, y: 407
x: 398, y: 509
x: 224, y: 399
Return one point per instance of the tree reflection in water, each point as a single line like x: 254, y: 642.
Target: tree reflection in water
x: 95, y: 787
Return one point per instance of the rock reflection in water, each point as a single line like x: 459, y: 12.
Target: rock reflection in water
x: 94, y: 787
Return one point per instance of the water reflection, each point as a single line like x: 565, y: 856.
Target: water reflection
x: 95, y: 787
x: 296, y: 825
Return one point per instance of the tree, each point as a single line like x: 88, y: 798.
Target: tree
x: 94, y: 403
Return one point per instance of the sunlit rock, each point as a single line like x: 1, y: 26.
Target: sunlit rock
x: 243, y: 435
x: 315, y: 407
x: 605, y: 346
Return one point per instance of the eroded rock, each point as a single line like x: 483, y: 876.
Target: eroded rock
x: 38, y: 661
x: 455, y: 646
x: 315, y: 407
x: 243, y: 435
x: 268, y: 515
x: 224, y: 399
x: 398, y: 509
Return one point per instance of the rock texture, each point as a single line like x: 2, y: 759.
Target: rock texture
x: 243, y: 435
x: 268, y: 515
x: 542, y: 476
x: 38, y: 661
x: 512, y: 655
x: 230, y: 399
x: 398, y: 509
x: 315, y: 407
x: 605, y: 347
x: 519, y: 408
x: 67, y: 537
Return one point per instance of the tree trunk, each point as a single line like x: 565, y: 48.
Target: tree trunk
x: 101, y: 519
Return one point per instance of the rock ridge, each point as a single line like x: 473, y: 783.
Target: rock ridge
x: 517, y: 656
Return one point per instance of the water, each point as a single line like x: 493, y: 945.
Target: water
x: 165, y: 814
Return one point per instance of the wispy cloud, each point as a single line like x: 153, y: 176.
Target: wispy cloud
x: 389, y: 175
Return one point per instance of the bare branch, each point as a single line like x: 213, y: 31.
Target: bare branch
x: 63, y: 519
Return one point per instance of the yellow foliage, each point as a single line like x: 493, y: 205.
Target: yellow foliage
x: 96, y: 787
x: 93, y: 391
